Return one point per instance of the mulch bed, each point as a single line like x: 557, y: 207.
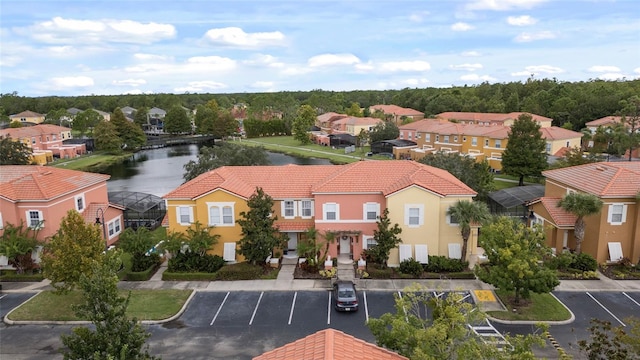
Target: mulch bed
x: 620, y: 272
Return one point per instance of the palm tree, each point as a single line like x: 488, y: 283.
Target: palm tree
x: 580, y: 205
x: 466, y: 212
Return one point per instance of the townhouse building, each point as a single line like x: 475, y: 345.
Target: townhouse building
x: 345, y: 200
x: 27, y: 117
x: 397, y: 114
x: 46, y: 141
x: 491, y: 119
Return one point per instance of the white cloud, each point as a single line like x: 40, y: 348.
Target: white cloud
x: 333, y: 59
x: 538, y: 69
x: 71, y: 81
x: 637, y: 70
x: 611, y: 76
x: 262, y: 60
x: 151, y: 57
x: 466, y: 67
x: 502, y: 5
x: 476, y: 77
x: 365, y: 67
x: 295, y: 70
x: 130, y: 82
x: 262, y: 84
x: 460, y: 26
x: 416, y: 65
x: 59, y: 30
x: 418, y: 16
x: 528, y: 37
x: 415, y: 82
x: 604, y: 69
x: 471, y: 54
x: 523, y: 20
x: 200, y: 86
x: 235, y: 36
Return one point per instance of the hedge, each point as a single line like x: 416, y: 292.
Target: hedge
x: 142, y: 275
x: 184, y: 276
x: 13, y: 277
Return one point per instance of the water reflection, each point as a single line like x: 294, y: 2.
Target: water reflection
x: 158, y: 171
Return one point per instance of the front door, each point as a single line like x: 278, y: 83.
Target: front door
x: 292, y: 244
x: 345, y: 245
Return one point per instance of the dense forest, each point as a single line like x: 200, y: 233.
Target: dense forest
x: 565, y: 102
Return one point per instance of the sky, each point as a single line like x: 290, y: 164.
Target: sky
x: 85, y: 47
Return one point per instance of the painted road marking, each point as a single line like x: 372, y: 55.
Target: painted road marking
x: 3, y: 296
x: 366, y: 308
x: 485, y: 295
x: 293, y: 305
x: 219, y: 308
x: 329, y: 310
x: 624, y: 293
x: 605, y: 309
x: 256, y: 309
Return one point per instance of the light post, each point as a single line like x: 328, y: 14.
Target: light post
x: 100, y: 221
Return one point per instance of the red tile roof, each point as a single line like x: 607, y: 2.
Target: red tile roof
x: 26, y: 114
x: 607, y: 120
x: 395, y: 110
x: 33, y: 182
x: 302, y: 181
x: 559, y: 217
x: 487, y: 117
x: 330, y: 116
x: 329, y: 344
x: 562, y: 151
x: 558, y: 133
x: 294, y: 225
x: 29, y: 131
x: 603, y: 179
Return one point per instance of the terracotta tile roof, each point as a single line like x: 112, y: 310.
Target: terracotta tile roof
x: 603, y: 179
x: 302, y: 181
x: 562, y: 151
x: 329, y: 344
x: 558, y: 133
x: 446, y: 127
x: 110, y: 211
x: 33, y: 182
x: 26, y: 114
x: 29, y: 131
x: 395, y: 110
x: 330, y: 116
x: 607, y: 120
x: 487, y: 117
x: 284, y: 225
x: 352, y: 120
x: 559, y: 217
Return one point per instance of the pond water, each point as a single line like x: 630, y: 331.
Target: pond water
x: 159, y: 171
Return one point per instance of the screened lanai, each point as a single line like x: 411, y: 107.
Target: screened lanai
x: 511, y: 201
x: 141, y: 209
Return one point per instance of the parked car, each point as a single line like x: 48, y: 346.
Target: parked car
x: 345, y: 296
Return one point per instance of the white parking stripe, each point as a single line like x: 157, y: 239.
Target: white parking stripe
x: 256, y: 309
x: 329, y: 310
x: 366, y: 308
x: 219, y: 308
x: 605, y: 309
x: 3, y: 296
x: 625, y: 294
x: 293, y: 304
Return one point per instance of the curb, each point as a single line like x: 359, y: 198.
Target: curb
x: 571, y: 319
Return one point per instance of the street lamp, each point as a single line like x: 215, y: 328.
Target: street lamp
x: 100, y: 221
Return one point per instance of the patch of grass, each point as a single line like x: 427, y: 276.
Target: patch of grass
x: 95, y: 162
x: 540, y: 307
x: 500, y: 185
x: 143, y: 305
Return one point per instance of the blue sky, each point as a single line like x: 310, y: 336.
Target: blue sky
x: 85, y: 47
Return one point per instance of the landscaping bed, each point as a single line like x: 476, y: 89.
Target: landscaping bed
x: 10, y: 275
x: 624, y: 270
x: 539, y: 307
x: 229, y: 272
x: 376, y: 272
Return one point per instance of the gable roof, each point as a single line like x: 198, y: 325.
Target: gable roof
x: 607, y: 120
x: 34, y: 182
x: 559, y: 216
x: 488, y: 117
x: 395, y: 110
x: 329, y: 344
x: 558, y: 133
x: 303, y: 181
x: 26, y: 114
x: 603, y: 179
x: 29, y: 131
x: 330, y: 116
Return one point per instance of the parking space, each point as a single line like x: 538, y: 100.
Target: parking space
x: 9, y: 301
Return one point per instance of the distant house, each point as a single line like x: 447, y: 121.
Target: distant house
x: 607, y: 122
x: 397, y: 114
x: 610, y: 235
x: 329, y: 344
x: 345, y: 200
x: 155, y: 119
x: 46, y: 141
x: 41, y: 196
x: 27, y: 117
x: 491, y: 119
x: 325, y: 121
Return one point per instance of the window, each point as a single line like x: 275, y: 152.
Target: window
x: 452, y: 220
x: 409, y: 137
x: 413, y: 215
x: 306, y: 208
x: 368, y: 241
x: 35, y: 219
x: 427, y: 137
x: 111, y: 229
x: 455, y: 139
x: 79, y: 202
x: 617, y: 214
x: 474, y: 141
x: 371, y: 211
x: 33, y: 140
x: 221, y: 214
x: 1, y: 222
x: 185, y: 215
x: 117, y: 225
x: 486, y: 142
x: 446, y: 139
x: 498, y: 144
x: 404, y: 250
x: 289, y: 209
x: 401, y: 135
x: 331, y: 211
x: 548, y: 149
x: 437, y: 138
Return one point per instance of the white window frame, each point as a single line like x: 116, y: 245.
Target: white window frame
x: 548, y: 147
x: 303, y: 208
x: 331, y: 208
x: 451, y: 220
x: 286, y: 208
x: 437, y: 138
x: 370, y: 208
x: 1, y: 222
x: 474, y: 141
x: 498, y: 143
x: 422, y: 253
x: 407, y: 216
x: 427, y: 137
x: 225, y: 213
x: 368, y: 242
x: 179, y: 214
x: 31, y: 225
x: 81, y: 199
x: 486, y: 142
x: 445, y: 139
x: 612, y: 212
x: 114, y: 227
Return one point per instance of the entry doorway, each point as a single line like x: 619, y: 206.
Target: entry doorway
x: 345, y: 245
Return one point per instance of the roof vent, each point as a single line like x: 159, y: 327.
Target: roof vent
x: 601, y: 168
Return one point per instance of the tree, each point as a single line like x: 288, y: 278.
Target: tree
x: 431, y: 327
x: 631, y: 120
x: 225, y: 125
x: 130, y: 134
x: 386, y: 238
x: 227, y: 154
x: 200, y: 239
x: 114, y: 336
x: 14, y: 152
x: 177, y: 121
x: 354, y: 110
x: 138, y: 243
x: 467, y: 213
x: 514, y: 252
x: 580, y: 205
x: 475, y: 175
x: 304, y: 120
x: 575, y: 156
x: 259, y: 236
x: 386, y: 130
x: 17, y: 243
x: 204, y: 119
x: 55, y: 117
x: 525, y: 152
x: 141, y: 117
x: 88, y: 119
x: 612, y: 343
x: 71, y: 252
x: 106, y: 138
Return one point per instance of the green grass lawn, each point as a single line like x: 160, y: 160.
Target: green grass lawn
x: 143, y: 305
x: 540, y: 307
x: 90, y: 162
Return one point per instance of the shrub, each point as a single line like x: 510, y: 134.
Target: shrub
x: 411, y: 266
x: 192, y: 262
x: 584, y: 262
x: 142, y: 262
x: 561, y: 262
x: 377, y: 273
x: 240, y: 271
x: 183, y: 276
x: 441, y: 264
